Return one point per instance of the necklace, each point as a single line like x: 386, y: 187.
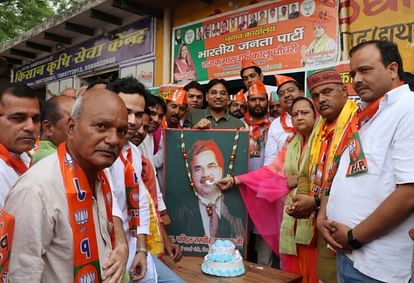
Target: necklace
x: 187, y: 165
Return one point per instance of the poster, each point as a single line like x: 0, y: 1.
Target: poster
x: 382, y: 20
x: 277, y: 36
x: 202, y: 213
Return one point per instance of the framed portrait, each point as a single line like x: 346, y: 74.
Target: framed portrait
x: 195, y: 160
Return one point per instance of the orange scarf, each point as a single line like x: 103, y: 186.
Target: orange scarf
x: 132, y: 192
x: 148, y: 177
x: 80, y: 204
x: 257, y: 135
x: 12, y: 160
x: 285, y: 127
x: 6, y: 241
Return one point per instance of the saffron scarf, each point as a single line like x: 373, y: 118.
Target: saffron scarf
x: 80, y: 205
x: 12, y: 160
x: 6, y: 234
x: 325, y: 152
x: 132, y: 192
x: 285, y: 127
x: 154, y: 241
x: 258, y: 133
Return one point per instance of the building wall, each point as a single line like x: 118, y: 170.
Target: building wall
x: 187, y: 12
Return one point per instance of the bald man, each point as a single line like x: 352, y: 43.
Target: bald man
x: 65, y: 231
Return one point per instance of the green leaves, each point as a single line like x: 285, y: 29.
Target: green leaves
x: 18, y: 16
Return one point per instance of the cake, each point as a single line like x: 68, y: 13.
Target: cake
x: 223, y: 260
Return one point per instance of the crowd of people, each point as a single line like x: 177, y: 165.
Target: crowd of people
x: 329, y: 187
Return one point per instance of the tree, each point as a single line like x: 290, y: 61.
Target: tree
x: 18, y: 16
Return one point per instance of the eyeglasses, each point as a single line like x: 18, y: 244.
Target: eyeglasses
x: 286, y: 91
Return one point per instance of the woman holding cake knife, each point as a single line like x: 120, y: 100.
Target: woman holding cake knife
x: 263, y: 190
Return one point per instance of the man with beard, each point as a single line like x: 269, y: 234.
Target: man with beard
x: 281, y: 128
x: 238, y: 105
x: 195, y: 95
x: 216, y: 114
x: 19, y: 124
x: 176, y: 109
x: 258, y: 121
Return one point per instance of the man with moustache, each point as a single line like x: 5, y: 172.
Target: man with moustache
x: 238, y: 106
x: 216, y: 114
x: 19, y: 124
x: 281, y: 128
x: 68, y: 204
x: 258, y: 122
x: 176, y: 109
x: 331, y: 100
x: 55, y: 114
x: 195, y: 95
x: 369, y: 208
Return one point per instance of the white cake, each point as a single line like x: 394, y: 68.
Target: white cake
x: 223, y: 260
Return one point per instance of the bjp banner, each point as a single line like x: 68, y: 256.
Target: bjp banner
x: 282, y: 35
x: 383, y: 20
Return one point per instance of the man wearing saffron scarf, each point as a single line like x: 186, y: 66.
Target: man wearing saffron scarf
x: 176, y: 109
x: 331, y: 100
x: 19, y: 124
x: 65, y: 233
x: 281, y: 128
x: 258, y: 123
x: 370, y: 206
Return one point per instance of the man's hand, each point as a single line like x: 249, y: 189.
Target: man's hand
x: 203, y: 124
x: 302, y: 206
x: 173, y: 250
x: 326, y: 229
x: 114, y: 268
x: 341, y: 235
x: 139, y: 267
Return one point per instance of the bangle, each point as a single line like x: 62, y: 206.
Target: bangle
x: 317, y: 201
x: 141, y: 250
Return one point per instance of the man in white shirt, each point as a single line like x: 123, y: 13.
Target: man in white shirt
x: 281, y: 128
x: 133, y: 94
x: 19, y: 124
x: 369, y: 210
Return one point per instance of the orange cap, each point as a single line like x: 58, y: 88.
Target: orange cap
x: 247, y: 64
x: 257, y: 88
x: 179, y: 96
x: 281, y: 79
x: 239, y: 97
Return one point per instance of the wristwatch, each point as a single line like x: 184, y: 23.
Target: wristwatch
x: 351, y: 241
x: 142, y: 250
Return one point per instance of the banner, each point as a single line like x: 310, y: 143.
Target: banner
x: 282, y: 35
x: 201, y: 212
x: 128, y: 42
x: 383, y: 20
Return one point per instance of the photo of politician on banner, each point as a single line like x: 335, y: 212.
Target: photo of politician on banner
x: 195, y: 161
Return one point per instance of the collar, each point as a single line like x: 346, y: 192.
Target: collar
x: 226, y: 116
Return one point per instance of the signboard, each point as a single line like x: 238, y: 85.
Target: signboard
x: 200, y: 212
x: 280, y: 35
x: 383, y: 20
x: 128, y: 42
